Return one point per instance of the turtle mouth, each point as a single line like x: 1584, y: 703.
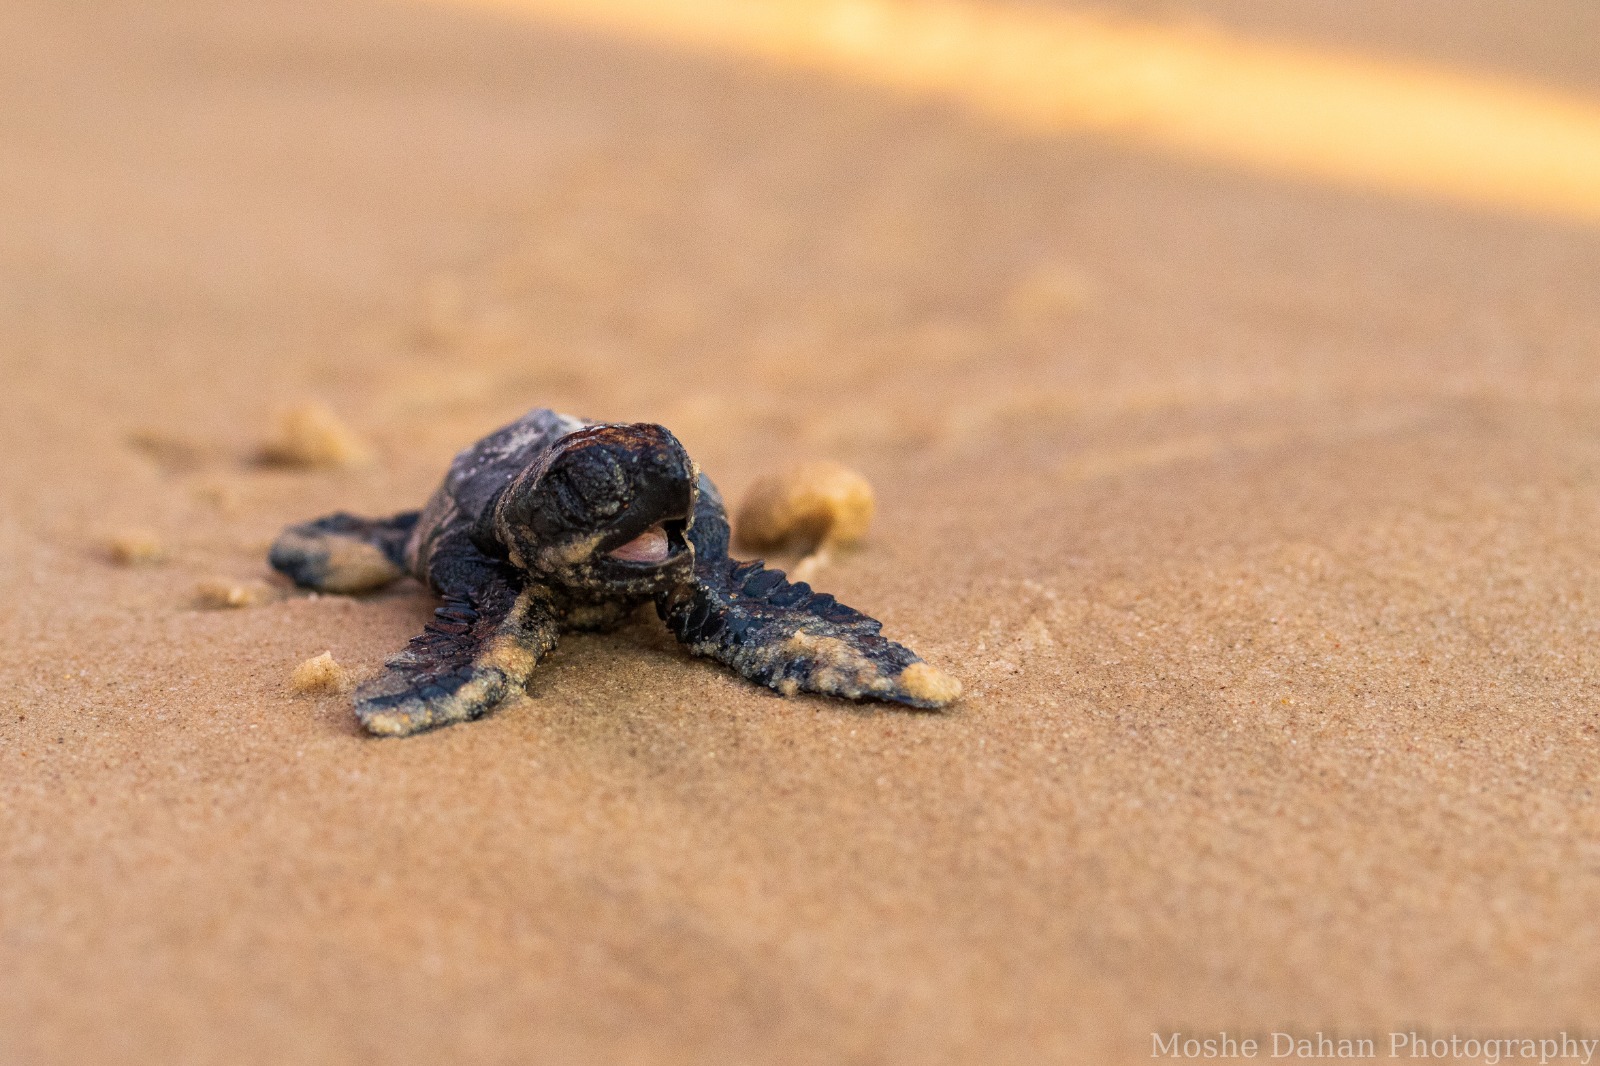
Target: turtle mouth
x: 656, y: 545
x: 651, y: 546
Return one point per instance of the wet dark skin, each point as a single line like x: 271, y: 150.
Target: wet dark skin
x: 554, y: 523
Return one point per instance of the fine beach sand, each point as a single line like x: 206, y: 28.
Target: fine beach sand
x: 1261, y: 522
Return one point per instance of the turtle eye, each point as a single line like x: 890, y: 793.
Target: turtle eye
x: 651, y: 546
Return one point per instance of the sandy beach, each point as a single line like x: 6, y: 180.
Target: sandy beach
x: 1260, y: 519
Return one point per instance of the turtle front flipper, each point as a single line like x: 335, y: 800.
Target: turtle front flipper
x: 791, y: 639
x: 480, y: 647
x: 343, y: 553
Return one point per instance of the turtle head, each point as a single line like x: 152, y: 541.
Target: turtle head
x: 606, y: 511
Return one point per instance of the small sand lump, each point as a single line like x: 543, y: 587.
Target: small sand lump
x: 311, y: 435
x: 135, y: 547
x: 807, y: 507
x: 223, y: 592
x: 320, y: 676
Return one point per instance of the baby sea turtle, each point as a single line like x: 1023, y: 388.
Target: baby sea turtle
x: 557, y: 523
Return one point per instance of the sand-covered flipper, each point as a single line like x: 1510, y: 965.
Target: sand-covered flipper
x: 480, y: 647
x: 791, y: 639
x: 344, y: 553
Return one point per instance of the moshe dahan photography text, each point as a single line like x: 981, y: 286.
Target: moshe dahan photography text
x: 1562, y: 1047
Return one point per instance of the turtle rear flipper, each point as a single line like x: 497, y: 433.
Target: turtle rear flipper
x: 791, y: 639
x: 480, y: 648
x: 343, y: 553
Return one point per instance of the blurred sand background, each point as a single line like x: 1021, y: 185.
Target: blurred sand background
x: 1260, y: 519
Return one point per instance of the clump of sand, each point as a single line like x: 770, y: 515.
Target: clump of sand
x: 312, y: 436
x: 811, y: 508
x: 135, y: 547
x: 221, y: 593
x: 320, y: 676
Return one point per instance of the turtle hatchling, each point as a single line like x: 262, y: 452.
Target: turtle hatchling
x: 557, y: 523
